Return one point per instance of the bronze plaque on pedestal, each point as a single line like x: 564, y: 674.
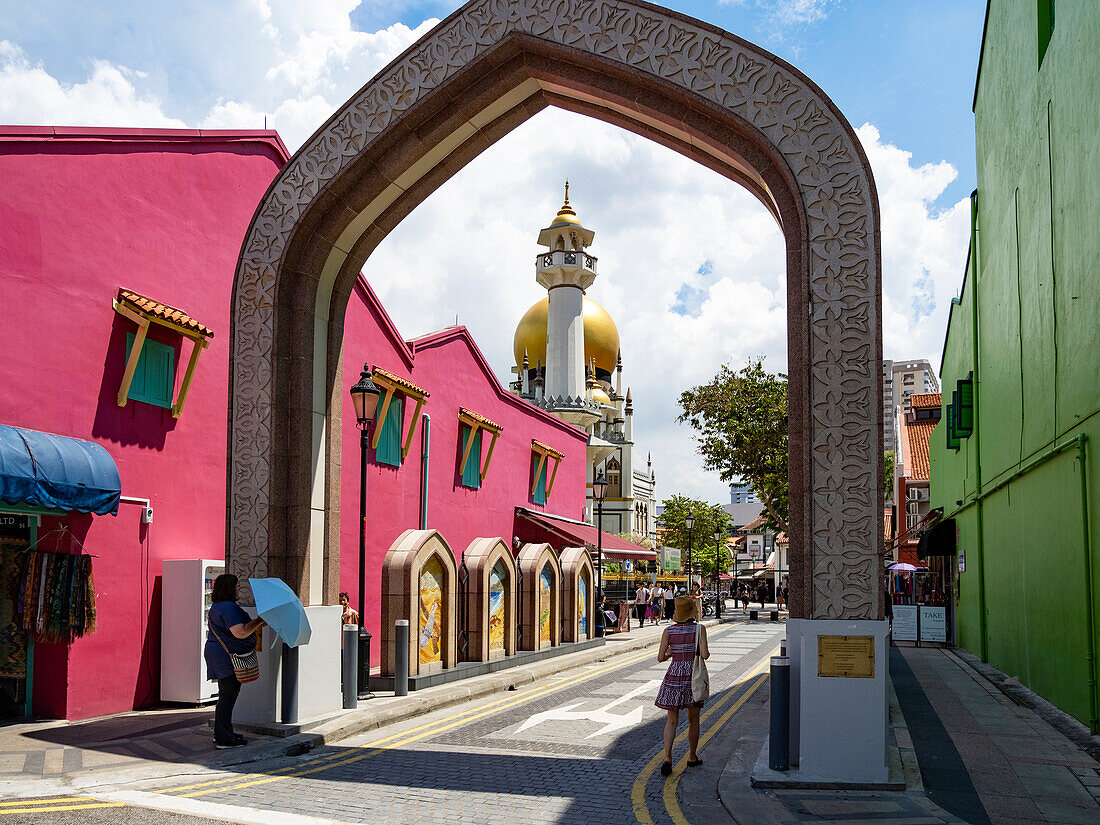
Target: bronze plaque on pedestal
x: 846, y: 656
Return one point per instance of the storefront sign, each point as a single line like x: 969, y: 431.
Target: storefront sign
x: 846, y: 656
x: 15, y: 526
x: 904, y: 626
x: 933, y: 624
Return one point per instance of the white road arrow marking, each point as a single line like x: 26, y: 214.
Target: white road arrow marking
x: 610, y: 721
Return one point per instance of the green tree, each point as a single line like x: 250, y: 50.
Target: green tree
x: 708, y: 518
x: 887, y: 476
x: 740, y: 421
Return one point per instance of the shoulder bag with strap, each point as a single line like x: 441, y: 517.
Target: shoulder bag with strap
x: 246, y: 666
x: 700, y: 679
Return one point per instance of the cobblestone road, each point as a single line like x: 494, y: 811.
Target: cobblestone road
x: 581, y: 747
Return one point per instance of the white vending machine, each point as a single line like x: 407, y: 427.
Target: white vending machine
x: 186, y: 589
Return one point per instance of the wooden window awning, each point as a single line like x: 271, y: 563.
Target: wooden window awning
x: 395, y: 383
x: 476, y: 421
x: 144, y: 311
x: 544, y: 452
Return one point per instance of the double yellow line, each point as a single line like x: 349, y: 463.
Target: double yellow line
x: 397, y: 740
x: 57, y: 803
x: 672, y: 806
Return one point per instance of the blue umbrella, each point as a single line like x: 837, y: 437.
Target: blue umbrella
x: 277, y: 605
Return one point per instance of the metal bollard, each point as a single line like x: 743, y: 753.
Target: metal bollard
x: 783, y: 647
x: 348, y: 671
x: 289, y: 708
x: 401, y: 658
x: 363, y: 660
x: 779, y: 749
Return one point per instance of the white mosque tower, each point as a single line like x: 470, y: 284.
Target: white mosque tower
x: 567, y: 351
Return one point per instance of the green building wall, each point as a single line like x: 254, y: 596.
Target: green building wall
x: 1027, y: 325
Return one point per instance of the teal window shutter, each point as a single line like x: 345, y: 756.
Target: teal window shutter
x: 388, y: 450
x: 1045, y: 25
x: 471, y: 474
x: 540, y: 484
x: 155, y: 377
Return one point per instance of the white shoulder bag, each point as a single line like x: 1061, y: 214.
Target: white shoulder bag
x: 700, y: 679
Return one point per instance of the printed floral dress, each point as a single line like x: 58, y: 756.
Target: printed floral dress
x: 675, y: 692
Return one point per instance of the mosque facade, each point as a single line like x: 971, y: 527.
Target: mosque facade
x: 568, y: 361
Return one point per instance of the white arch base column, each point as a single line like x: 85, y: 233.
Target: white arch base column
x: 838, y: 724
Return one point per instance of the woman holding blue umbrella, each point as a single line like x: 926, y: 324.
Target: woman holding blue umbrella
x: 229, y: 631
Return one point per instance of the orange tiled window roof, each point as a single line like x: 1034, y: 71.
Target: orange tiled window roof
x: 927, y: 400
x: 164, y: 312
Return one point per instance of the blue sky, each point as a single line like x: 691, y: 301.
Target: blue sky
x: 691, y: 266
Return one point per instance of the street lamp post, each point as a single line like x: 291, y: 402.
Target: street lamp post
x: 364, y: 397
x: 717, y: 589
x: 689, y: 522
x: 599, y: 490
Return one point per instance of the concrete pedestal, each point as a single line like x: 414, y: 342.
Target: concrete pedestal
x: 838, y: 724
x: 319, y: 673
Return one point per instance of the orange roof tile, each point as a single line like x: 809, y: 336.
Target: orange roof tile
x: 166, y: 313
x: 398, y: 381
x: 539, y: 447
x: 479, y: 418
x: 927, y: 400
x: 919, y: 432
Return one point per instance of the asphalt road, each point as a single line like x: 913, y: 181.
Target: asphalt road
x: 582, y: 747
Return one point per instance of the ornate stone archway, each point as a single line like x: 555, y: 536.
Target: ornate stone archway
x: 489, y: 66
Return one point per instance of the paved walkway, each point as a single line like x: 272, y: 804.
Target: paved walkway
x: 982, y: 757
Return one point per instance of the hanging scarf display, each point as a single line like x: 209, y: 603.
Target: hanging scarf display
x: 56, y: 596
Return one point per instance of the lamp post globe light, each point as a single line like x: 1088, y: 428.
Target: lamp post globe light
x: 689, y: 523
x: 718, y: 599
x: 364, y: 397
x: 599, y: 490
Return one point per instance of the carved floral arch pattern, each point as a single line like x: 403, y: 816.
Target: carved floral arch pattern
x: 834, y: 271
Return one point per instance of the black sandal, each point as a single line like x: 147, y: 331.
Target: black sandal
x: 666, y: 769
x: 695, y: 764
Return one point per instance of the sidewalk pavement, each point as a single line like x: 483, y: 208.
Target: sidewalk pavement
x: 146, y: 744
x: 970, y: 752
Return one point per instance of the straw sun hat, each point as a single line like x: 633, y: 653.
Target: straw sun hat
x: 685, y: 609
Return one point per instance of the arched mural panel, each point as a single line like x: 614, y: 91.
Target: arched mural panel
x: 492, y: 597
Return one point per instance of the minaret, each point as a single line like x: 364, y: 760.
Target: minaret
x: 629, y: 434
x: 565, y: 270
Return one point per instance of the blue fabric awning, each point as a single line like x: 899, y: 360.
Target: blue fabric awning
x: 58, y: 473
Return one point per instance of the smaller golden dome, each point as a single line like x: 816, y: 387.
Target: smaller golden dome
x: 566, y: 213
x: 600, y: 397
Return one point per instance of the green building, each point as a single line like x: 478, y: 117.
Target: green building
x: 1016, y: 460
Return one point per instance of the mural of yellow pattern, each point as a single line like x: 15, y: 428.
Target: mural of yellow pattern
x: 582, y: 606
x: 431, y: 612
x: 545, y: 583
x: 497, y: 577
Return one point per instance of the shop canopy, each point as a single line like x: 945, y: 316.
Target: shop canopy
x: 57, y: 473
x: 578, y: 534
x: 938, y: 540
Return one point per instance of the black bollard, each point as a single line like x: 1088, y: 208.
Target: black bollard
x: 401, y: 658
x: 779, y: 754
x: 289, y: 708
x: 363, y: 663
x: 349, y: 671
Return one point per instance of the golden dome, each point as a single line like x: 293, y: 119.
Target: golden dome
x: 601, y: 337
x: 601, y: 397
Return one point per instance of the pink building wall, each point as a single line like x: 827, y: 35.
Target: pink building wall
x: 449, y: 366
x: 84, y: 211
x: 163, y: 213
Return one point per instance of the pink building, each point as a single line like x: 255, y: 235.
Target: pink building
x: 104, y: 232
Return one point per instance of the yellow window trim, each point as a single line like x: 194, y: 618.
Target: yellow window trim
x: 544, y: 452
x: 143, y: 320
x: 475, y: 422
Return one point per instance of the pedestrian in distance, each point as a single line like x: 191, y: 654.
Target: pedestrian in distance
x: 678, y: 643
x: 697, y: 594
x: 229, y: 630
x: 779, y: 598
x: 745, y: 599
x: 641, y: 601
x: 656, y: 602
x: 350, y: 614
x: 670, y: 601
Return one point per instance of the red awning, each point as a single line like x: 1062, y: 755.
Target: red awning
x: 577, y: 534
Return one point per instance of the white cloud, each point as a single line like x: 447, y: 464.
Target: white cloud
x: 29, y: 95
